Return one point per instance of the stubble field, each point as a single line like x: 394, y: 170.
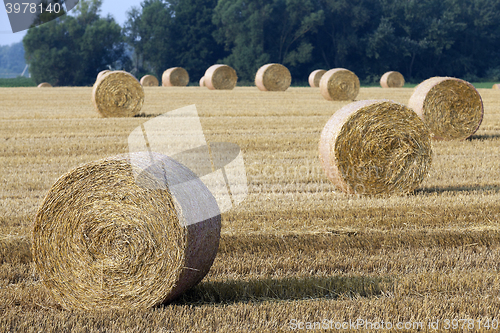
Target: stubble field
x: 295, y: 251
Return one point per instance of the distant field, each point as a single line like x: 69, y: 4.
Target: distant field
x: 295, y: 250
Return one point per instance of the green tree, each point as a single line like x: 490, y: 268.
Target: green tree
x: 71, y: 50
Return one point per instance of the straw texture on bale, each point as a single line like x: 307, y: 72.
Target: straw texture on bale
x: 101, y: 73
x: 44, y: 85
x: 375, y: 147
x: 202, y: 82
x: 175, y: 77
x: 392, y: 80
x: 273, y: 77
x: 220, y: 77
x: 339, y: 84
x: 117, y: 94
x: 102, y: 240
x: 451, y: 108
x: 149, y: 81
x: 496, y: 86
x: 315, y: 77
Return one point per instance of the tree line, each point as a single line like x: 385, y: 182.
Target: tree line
x: 419, y: 38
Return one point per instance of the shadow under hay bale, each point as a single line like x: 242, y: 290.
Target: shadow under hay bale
x: 339, y: 84
x: 273, y: 77
x: 392, y: 80
x: 125, y: 233
x: 451, y: 108
x: 117, y: 94
x: 375, y: 147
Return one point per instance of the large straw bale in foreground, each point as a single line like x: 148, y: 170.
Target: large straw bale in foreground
x: 273, y: 77
x: 220, y: 77
x: 117, y: 94
x: 375, y: 147
x: 111, y: 235
x: 44, y: 85
x: 452, y: 108
x: 392, y: 80
x: 315, y: 77
x: 339, y: 84
x: 149, y: 81
x: 175, y: 77
x: 496, y: 86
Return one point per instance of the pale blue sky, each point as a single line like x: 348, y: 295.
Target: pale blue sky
x: 117, y: 9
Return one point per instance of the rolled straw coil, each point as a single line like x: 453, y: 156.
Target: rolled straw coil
x: 44, y: 85
x: 339, y: 84
x: 117, y: 94
x: 104, y: 240
x: 273, y: 77
x: 149, y: 81
x: 101, y: 73
x: 315, y: 77
x: 202, y: 81
x: 452, y: 108
x: 220, y: 77
x: 375, y: 147
x: 496, y: 86
x: 175, y: 77
x: 392, y: 80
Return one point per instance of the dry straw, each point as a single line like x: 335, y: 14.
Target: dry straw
x: 175, y: 77
x: 101, y: 73
x: 44, y: 85
x: 273, y: 77
x: 392, y: 80
x: 315, y: 77
x: 101, y: 240
x: 149, y: 81
x: 220, y: 77
x: 496, y: 86
x: 452, y: 108
x: 375, y: 147
x: 202, y: 81
x: 339, y: 84
x: 117, y: 94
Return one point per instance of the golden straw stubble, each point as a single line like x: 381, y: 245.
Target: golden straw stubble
x: 149, y: 81
x: 175, y: 77
x: 375, y: 147
x: 392, y: 80
x: 315, y: 77
x: 104, y: 240
x: 273, y: 77
x: 117, y: 94
x: 339, y: 84
x: 451, y: 107
x: 220, y: 77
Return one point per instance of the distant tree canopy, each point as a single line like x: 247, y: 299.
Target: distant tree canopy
x: 71, y: 50
x: 419, y: 38
x: 12, y: 59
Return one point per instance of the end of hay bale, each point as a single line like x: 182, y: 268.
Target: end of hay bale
x: 44, y: 85
x: 315, y: 77
x: 496, y: 86
x: 392, y: 80
x: 117, y: 94
x: 149, y: 81
x: 273, y: 77
x: 339, y: 84
x: 452, y: 108
x: 202, y: 81
x: 175, y: 77
x: 104, y: 240
x: 220, y: 77
x: 375, y: 147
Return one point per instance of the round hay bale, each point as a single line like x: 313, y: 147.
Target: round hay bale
x: 496, y: 86
x: 375, y: 147
x: 175, y: 77
x: 44, y: 85
x: 149, y: 81
x: 220, y: 77
x: 315, y: 77
x: 117, y: 94
x: 452, y: 108
x: 104, y: 240
x: 392, y: 80
x: 101, y: 73
x: 273, y: 77
x: 202, y: 81
x: 339, y: 84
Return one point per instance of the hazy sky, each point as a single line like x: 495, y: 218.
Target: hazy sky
x: 117, y: 9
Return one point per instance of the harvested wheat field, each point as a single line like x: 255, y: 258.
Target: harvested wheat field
x: 296, y: 253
